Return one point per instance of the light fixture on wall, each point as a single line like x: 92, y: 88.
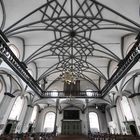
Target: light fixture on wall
x: 96, y: 107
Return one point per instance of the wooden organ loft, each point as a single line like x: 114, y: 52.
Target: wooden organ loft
x: 72, y: 89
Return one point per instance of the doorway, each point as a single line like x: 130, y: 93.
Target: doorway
x: 133, y: 130
x: 8, y: 128
x: 11, y: 126
x: 71, y: 127
x: 30, y: 128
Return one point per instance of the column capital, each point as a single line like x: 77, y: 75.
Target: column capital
x: 113, y: 106
x: 9, y: 94
x: 30, y: 106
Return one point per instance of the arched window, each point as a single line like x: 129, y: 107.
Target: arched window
x: 94, y: 122
x: 17, y: 108
x: 126, y: 109
x: 54, y: 93
x: 89, y: 92
x: 34, y: 114
x: 49, y: 122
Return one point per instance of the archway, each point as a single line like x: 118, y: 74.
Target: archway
x: 133, y: 130
x: 8, y: 128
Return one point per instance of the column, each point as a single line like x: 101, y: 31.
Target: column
x: 40, y: 122
x: 55, y: 124
x: 115, y: 119
x: 27, y: 119
x: 87, y: 116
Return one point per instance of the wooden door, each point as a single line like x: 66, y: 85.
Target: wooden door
x: 71, y: 127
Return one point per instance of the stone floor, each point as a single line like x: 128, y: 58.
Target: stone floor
x: 71, y: 137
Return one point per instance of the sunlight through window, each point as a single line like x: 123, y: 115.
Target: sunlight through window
x: 49, y: 122
x: 34, y: 114
x: 94, y: 122
x: 17, y: 108
x: 126, y: 109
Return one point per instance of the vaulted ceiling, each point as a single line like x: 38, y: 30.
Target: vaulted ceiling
x: 83, y: 36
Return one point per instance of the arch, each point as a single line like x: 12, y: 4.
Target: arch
x: 133, y: 130
x: 49, y: 122
x: 126, y: 77
x: 16, y: 109
x: 94, y: 122
x: 13, y: 75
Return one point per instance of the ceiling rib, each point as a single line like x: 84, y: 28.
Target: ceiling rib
x: 78, y: 26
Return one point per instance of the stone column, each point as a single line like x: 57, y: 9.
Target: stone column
x: 87, y: 116
x: 39, y: 121
x: 115, y: 118
x: 3, y: 108
x: 55, y: 124
x: 27, y: 119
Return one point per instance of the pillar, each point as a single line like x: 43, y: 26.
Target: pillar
x: 40, y: 121
x: 115, y: 119
x: 55, y: 124
x: 27, y: 119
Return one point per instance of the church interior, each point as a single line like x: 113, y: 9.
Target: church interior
x: 69, y: 69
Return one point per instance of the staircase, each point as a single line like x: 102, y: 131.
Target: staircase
x: 71, y: 137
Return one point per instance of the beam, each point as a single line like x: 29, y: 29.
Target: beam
x: 123, y: 67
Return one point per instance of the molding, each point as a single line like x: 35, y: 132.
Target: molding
x: 9, y: 94
x: 133, y: 95
x: 30, y: 106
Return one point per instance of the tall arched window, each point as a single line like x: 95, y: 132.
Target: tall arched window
x: 54, y: 93
x: 17, y: 108
x: 49, y: 122
x: 89, y: 92
x: 94, y: 122
x: 34, y: 115
x: 126, y: 109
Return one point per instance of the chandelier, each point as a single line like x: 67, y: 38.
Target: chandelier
x: 69, y: 77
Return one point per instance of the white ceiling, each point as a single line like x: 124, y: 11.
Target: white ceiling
x: 90, y: 48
